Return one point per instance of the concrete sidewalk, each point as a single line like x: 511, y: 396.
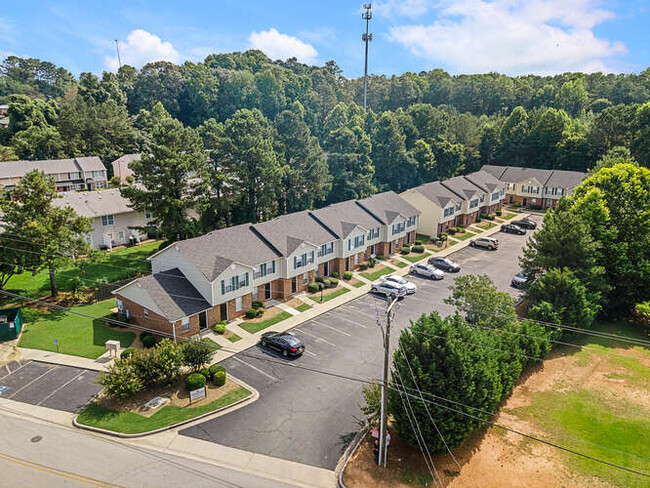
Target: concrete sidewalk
x: 25, y: 354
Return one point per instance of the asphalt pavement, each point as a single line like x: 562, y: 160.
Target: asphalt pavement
x: 310, y: 417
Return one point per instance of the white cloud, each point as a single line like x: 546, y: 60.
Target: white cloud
x: 403, y: 8
x: 282, y: 46
x: 513, y: 36
x: 142, y: 47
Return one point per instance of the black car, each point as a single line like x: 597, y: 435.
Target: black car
x: 525, y: 223
x: 283, y: 342
x: 513, y: 229
x: 445, y: 264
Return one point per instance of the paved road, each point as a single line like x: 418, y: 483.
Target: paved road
x: 309, y: 417
x: 43, y: 455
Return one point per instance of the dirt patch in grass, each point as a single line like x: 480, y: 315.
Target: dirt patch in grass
x: 231, y: 336
x: 269, y: 313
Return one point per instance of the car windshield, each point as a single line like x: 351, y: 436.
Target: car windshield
x: 398, y: 279
x: 521, y: 275
x: 292, y: 340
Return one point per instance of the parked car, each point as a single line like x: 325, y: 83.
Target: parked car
x: 445, y: 264
x: 525, y: 223
x: 285, y: 343
x: 519, y: 280
x: 388, y: 288
x: 428, y: 270
x: 513, y: 229
x: 410, y: 287
x: 487, y: 242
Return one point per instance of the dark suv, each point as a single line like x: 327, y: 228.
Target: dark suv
x: 513, y: 229
x: 525, y: 223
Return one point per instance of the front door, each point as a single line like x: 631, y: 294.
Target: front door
x: 326, y: 268
x: 223, y: 311
x: 267, y: 291
x: 294, y: 285
x: 203, y: 320
x: 523, y: 203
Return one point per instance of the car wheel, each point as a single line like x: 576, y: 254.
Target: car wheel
x: 285, y: 353
x: 373, y: 290
x: 491, y: 248
x: 263, y: 343
x: 472, y: 244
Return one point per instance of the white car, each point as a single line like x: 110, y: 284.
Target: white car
x: 519, y: 280
x: 428, y: 270
x: 410, y: 287
x: 388, y: 288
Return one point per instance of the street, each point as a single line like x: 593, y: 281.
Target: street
x: 309, y: 417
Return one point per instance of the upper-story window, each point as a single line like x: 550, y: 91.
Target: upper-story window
x: 74, y: 176
x: 482, y: 199
x: 449, y: 211
x: 96, y: 174
x: 263, y: 270
x: 234, y: 283
x: 305, y: 259
x: 326, y: 249
x: 496, y: 195
x: 458, y: 206
x: 399, y: 227
x: 373, y: 234
x: 108, y: 220
x: 530, y: 189
x: 411, y: 221
x: 148, y: 215
x: 358, y: 241
x: 473, y: 203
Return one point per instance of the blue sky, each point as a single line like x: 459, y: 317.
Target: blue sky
x: 460, y: 36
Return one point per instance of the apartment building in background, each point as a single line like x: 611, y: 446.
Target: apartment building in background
x: 74, y: 174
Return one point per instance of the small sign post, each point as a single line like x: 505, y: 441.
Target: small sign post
x: 197, y: 394
x: 56, y: 342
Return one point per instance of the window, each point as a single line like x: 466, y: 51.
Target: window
x: 255, y: 293
x: 148, y: 215
x: 373, y: 234
x: 458, y: 207
x: 74, y: 176
x: 145, y: 313
x: 185, y: 324
x: 120, y: 235
x: 326, y: 249
x: 496, y: 195
x: 473, y: 203
x: 107, y: 220
x: 305, y: 259
x: 305, y: 278
x: 399, y: 227
x: 449, y: 211
x: 239, y: 304
x: 482, y: 198
x: 410, y: 222
x: 234, y: 283
x: 96, y: 174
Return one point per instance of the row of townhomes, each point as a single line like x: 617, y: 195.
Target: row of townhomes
x: 198, y: 282
x: 541, y: 188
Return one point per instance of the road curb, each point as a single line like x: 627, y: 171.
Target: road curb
x: 349, y: 452
x: 253, y: 397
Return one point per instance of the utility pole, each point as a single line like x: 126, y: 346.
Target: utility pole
x: 117, y: 46
x: 383, y: 431
x: 367, y: 15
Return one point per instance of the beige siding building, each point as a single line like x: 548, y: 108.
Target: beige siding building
x: 73, y: 174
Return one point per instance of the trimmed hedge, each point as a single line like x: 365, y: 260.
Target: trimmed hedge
x: 335, y: 274
x: 206, y: 372
x: 499, y: 213
x: 144, y: 334
x: 364, y: 265
x: 418, y: 249
x: 128, y: 352
x: 347, y: 275
x: 148, y: 341
x: 313, y: 287
x: 220, y: 328
x: 380, y: 257
x: 214, y: 368
x: 195, y: 381
x: 219, y: 378
x: 257, y: 304
x: 319, y: 279
x: 251, y: 313
x: 334, y: 281
x: 406, y: 249
x: 418, y: 242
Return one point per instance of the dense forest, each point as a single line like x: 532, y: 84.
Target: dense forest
x: 285, y: 136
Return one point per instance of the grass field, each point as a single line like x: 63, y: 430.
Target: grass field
x: 508, y: 215
x: 328, y: 296
x: 358, y: 284
x: 464, y: 236
x: 117, y: 265
x: 213, y: 345
x: 373, y: 275
x: 77, y: 335
x: 252, y: 327
x: 414, y: 258
x: 132, y: 423
x: 303, y: 307
x: 485, y: 225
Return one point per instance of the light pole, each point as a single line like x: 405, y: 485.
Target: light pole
x: 117, y: 46
x: 367, y: 15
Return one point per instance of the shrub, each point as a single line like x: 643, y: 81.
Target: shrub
x: 144, y: 334
x: 418, y: 242
x: 321, y: 286
x: 251, y: 313
x: 451, y: 231
x: 327, y: 283
x: 196, y: 354
x: 158, y: 365
x: 334, y: 281
x: 195, y: 381
x: 364, y: 265
x: 319, y: 279
x: 129, y: 179
x: 479, y: 219
x: 206, y: 372
x: 219, y: 378
x: 347, y: 275
x: 406, y: 249
x: 257, y: 304
x: 490, y: 217
x: 418, y: 249
x: 115, y: 181
x: 535, y: 207
x: 372, y: 262
x: 516, y: 204
x: 220, y: 328
x: 499, y: 213
x: 380, y: 257
x: 443, y: 236
x: 460, y: 229
x: 128, y: 352
x: 122, y: 379
x: 313, y: 287
x: 335, y: 274
x: 214, y: 368
x: 148, y: 341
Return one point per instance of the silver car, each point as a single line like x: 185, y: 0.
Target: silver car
x: 519, y: 280
x: 428, y: 270
x: 487, y: 242
x: 410, y: 287
x: 388, y: 288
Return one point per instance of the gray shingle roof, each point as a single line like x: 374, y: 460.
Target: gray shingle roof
x: 388, y: 206
x: 215, y: 251
x: 342, y: 218
x: 484, y: 180
x: 437, y: 193
x: 565, y: 179
x: 287, y: 232
x: 461, y: 187
x: 173, y: 293
x: 94, y: 203
x: 495, y: 171
x: 547, y: 177
x: 18, y: 169
x: 515, y: 174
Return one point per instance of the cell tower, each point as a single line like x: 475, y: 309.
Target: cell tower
x: 367, y: 15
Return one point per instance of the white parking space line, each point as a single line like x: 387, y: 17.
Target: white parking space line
x: 61, y: 387
x: 18, y: 368
x: 310, y: 353
x: 362, y: 312
x: 318, y: 338
x: 33, y: 381
x: 256, y: 369
x: 332, y: 328
x: 345, y: 319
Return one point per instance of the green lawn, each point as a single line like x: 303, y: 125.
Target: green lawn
x: 111, y: 267
x: 328, y: 296
x: 358, y: 284
x: 422, y: 237
x: 464, y: 236
x: 373, y: 275
x: 508, y: 215
x: 77, y: 335
x: 485, y: 225
x: 400, y: 264
x: 252, y: 327
x: 132, y: 423
x: 414, y: 258
x: 213, y: 345
x: 233, y: 337
x: 303, y: 307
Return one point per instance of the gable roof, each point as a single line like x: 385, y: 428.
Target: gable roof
x: 286, y: 232
x: 342, y: 218
x: 496, y: 171
x: 565, y: 179
x: 173, y: 293
x: 213, y: 252
x: 461, y: 187
x: 514, y: 174
x: 18, y: 169
x: 553, y: 178
x: 94, y: 203
x: 438, y: 193
x: 484, y: 180
x: 387, y: 206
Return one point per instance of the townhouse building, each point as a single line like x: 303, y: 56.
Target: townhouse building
x: 493, y: 191
x: 83, y: 173
x: 541, y: 188
x: 439, y: 206
x: 198, y: 282
x: 121, y: 166
x: 114, y: 222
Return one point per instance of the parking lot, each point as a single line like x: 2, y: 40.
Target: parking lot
x: 310, y: 417
x: 48, y: 385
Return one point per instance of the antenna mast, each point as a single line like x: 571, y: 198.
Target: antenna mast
x: 367, y: 15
